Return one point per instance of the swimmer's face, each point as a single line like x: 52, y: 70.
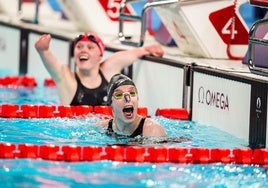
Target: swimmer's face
x: 125, y: 102
x: 87, y: 54
x: 90, y: 37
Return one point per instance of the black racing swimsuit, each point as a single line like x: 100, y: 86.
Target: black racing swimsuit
x: 93, y: 97
x: 137, y: 132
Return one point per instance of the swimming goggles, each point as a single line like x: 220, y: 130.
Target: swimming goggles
x: 89, y: 36
x: 119, y: 95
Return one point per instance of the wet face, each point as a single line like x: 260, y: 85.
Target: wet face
x: 125, y: 103
x: 87, y: 54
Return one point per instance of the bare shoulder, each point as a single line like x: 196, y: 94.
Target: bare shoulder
x: 151, y: 122
x: 153, y: 128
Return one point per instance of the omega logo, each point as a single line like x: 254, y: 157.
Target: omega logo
x: 258, y: 103
x: 213, y: 98
x: 258, y: 106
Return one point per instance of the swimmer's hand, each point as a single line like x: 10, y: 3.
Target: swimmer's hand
x: 155, y: 50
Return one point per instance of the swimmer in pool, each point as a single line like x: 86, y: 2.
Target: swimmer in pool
x: 123, y: 98
x: 88, y: 84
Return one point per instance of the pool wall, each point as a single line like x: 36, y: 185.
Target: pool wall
x: 235, y: 103
x: 232, y: 99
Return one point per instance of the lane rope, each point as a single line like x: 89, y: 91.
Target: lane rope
x: 157, y: 154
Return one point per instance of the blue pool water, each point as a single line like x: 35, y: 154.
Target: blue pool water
x: 38, y: 173
x: 84, y: 131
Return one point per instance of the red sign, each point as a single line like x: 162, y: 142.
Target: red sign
x: 112, y: 8
x: 229, y: 26
x: 263, y: 3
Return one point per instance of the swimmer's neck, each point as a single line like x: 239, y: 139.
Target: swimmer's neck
x: 126, y: 128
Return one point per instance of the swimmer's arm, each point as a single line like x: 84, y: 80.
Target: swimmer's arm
x: 121, y: 59
x: 52, y: 64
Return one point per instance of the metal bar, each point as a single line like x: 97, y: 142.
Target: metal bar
x: 147, y: 7
x: 130, y: 17
x: 143, y: 19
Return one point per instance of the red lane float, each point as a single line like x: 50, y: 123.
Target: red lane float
x: 93, y: 153
x: 15, y: 81
x: 51, y: 111
x: 179, y: 155
x: 9, y: 110
x: 28, y: 151
x: 135, y: 154
x: 46, y: 111
x: 49, y: 82
x: 260, y: 156
x: 173, y: 113
x: 24, y: 81
x: 104, y: 110
x: 50, y: 152
x: 155, y: 154
x: 143, y: 111
x: 43, y: 111
x: 222, y: 155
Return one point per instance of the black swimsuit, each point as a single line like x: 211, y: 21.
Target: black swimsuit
x: 137, y: 132
x: 93, y: 97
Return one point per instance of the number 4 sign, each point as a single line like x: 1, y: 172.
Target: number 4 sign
x: 229, y: 26
x: 112, y: 8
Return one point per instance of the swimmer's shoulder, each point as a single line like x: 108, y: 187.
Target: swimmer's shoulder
x: 153, y: 128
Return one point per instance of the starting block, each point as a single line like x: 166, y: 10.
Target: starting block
x: 209, y: 29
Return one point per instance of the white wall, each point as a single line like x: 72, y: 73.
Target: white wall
x: 9, y: 48
x: 159, y: 85
x: 36, y: 68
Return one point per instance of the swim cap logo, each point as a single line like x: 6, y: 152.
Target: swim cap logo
x: 213, y: 98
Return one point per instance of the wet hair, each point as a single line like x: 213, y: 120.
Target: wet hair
x: 116, y: 81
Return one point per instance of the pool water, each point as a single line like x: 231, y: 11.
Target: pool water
x: 84, y: 131
x: 24, y: 95
x: 41, y: 173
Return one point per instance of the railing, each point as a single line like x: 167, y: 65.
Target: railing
x: 143, y: 19
x: 258, y: 43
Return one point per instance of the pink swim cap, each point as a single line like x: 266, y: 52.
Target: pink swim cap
x: 92, y: 38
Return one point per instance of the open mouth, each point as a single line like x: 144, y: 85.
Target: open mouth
x: 83, y: 58
x: 128, y: 111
